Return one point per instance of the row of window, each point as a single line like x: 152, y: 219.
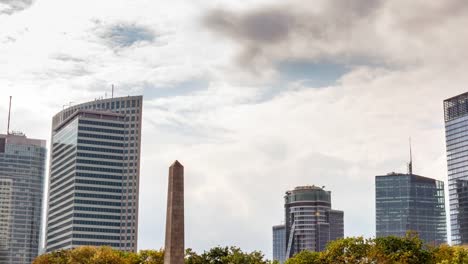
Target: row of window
x: 52, y: 223
x: 57, y: 195
x: 53, y: 204
x: 58, y: 181
x: 104, y: 130
x: 106, y: 183
x: 98, y: 169
x: 92, y: 202
x: 98, y: 162
x: 67, y: 151
x: 66, y: 163
x: 99, y: 176
x: 96, y: 189
x: 96, y: 209
x: 106, y: 150
x: 97, y: 216
x: 92, y: 243
x: 87, y: 135
x: 100, y: 123
x: 101, y: 143
x: 100, y: 196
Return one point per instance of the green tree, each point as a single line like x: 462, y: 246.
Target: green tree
x: 151, y: 257
x: 306, y: 257
x: 408, y: 250
x: 446, y: 254
x: 348, y: 250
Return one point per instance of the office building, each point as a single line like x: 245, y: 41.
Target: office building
x: 22, y: 170
x: 310, y: 221
x: 408, y: 202
x: 456, y: 133
x: 279, y: 243
x: 94, y: 175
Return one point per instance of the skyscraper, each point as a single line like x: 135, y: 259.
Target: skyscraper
x: 310, y: 221
x: 456, y: 127
x: 408, y: 202
x: 279, y: 243
x: 22, y: 170
x: 94, y: 175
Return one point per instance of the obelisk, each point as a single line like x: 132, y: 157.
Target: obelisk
x: 174, y: 250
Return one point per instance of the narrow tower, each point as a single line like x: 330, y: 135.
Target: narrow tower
x: 174, y: 249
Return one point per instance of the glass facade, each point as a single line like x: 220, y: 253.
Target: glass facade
x: 310, y: 223
x: 94, y: 175
x: 22, y: 170
x: 279, y: 243
x: 456, y: 133
x: 408, y: 202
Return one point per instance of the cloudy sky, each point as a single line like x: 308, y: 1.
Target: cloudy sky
x: 254, y: 97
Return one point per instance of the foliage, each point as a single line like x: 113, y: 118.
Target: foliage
x: 385, y: 250
x: 356, y: 250
x: 107, y: 255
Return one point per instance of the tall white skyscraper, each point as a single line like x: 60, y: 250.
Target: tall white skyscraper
x: 94, y: 175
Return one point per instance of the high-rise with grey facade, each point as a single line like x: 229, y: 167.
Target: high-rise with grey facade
x: 94, y: 175
x: 456, y: 133
x: 22, y: 170
x: 408, y: 202
x: 310, y: 221
x: 279, y: 243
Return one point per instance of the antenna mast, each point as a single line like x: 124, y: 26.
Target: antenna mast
x: 410, y: 164
x: 9, y: 113
x: 112, y: 91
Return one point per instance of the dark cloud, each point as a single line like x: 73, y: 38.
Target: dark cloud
x: 345, y: 32
x: 9, y: 7
x: 268, y: 32
x: 124, y: 35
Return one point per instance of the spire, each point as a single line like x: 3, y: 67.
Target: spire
x: 410, y: 164
x: 9, y: 113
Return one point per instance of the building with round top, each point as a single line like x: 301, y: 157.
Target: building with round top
x: 310, y: 221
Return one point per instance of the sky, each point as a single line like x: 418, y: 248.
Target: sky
x: 253, y: 97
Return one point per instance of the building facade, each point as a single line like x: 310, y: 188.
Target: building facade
x: 456, y: 133
x: 279, y: 243
x: 408, y: 202
x: 22, y: 170
x: 94, y: 175
x: 310, y: 222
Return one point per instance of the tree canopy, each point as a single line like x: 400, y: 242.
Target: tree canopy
x: 355, y: 250
x: 383, y: 250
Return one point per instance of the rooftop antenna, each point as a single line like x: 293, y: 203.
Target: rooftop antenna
x: 410, y: 164
x: 9, y: 113
x: 112, y: 91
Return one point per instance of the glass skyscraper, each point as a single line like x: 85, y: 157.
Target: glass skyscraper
x: 310, y: 222
x: 94, y: 175
x: 22, y: 170
x: 408, y: 202
x: 456, y: 133
x: 279, y: 243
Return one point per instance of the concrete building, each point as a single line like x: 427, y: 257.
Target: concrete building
x: 408, y: 202
x: 94, y: 175
x: 279, y: 243
x: 22, y: 170
x: 456, y: 133
x: 310, y: 221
